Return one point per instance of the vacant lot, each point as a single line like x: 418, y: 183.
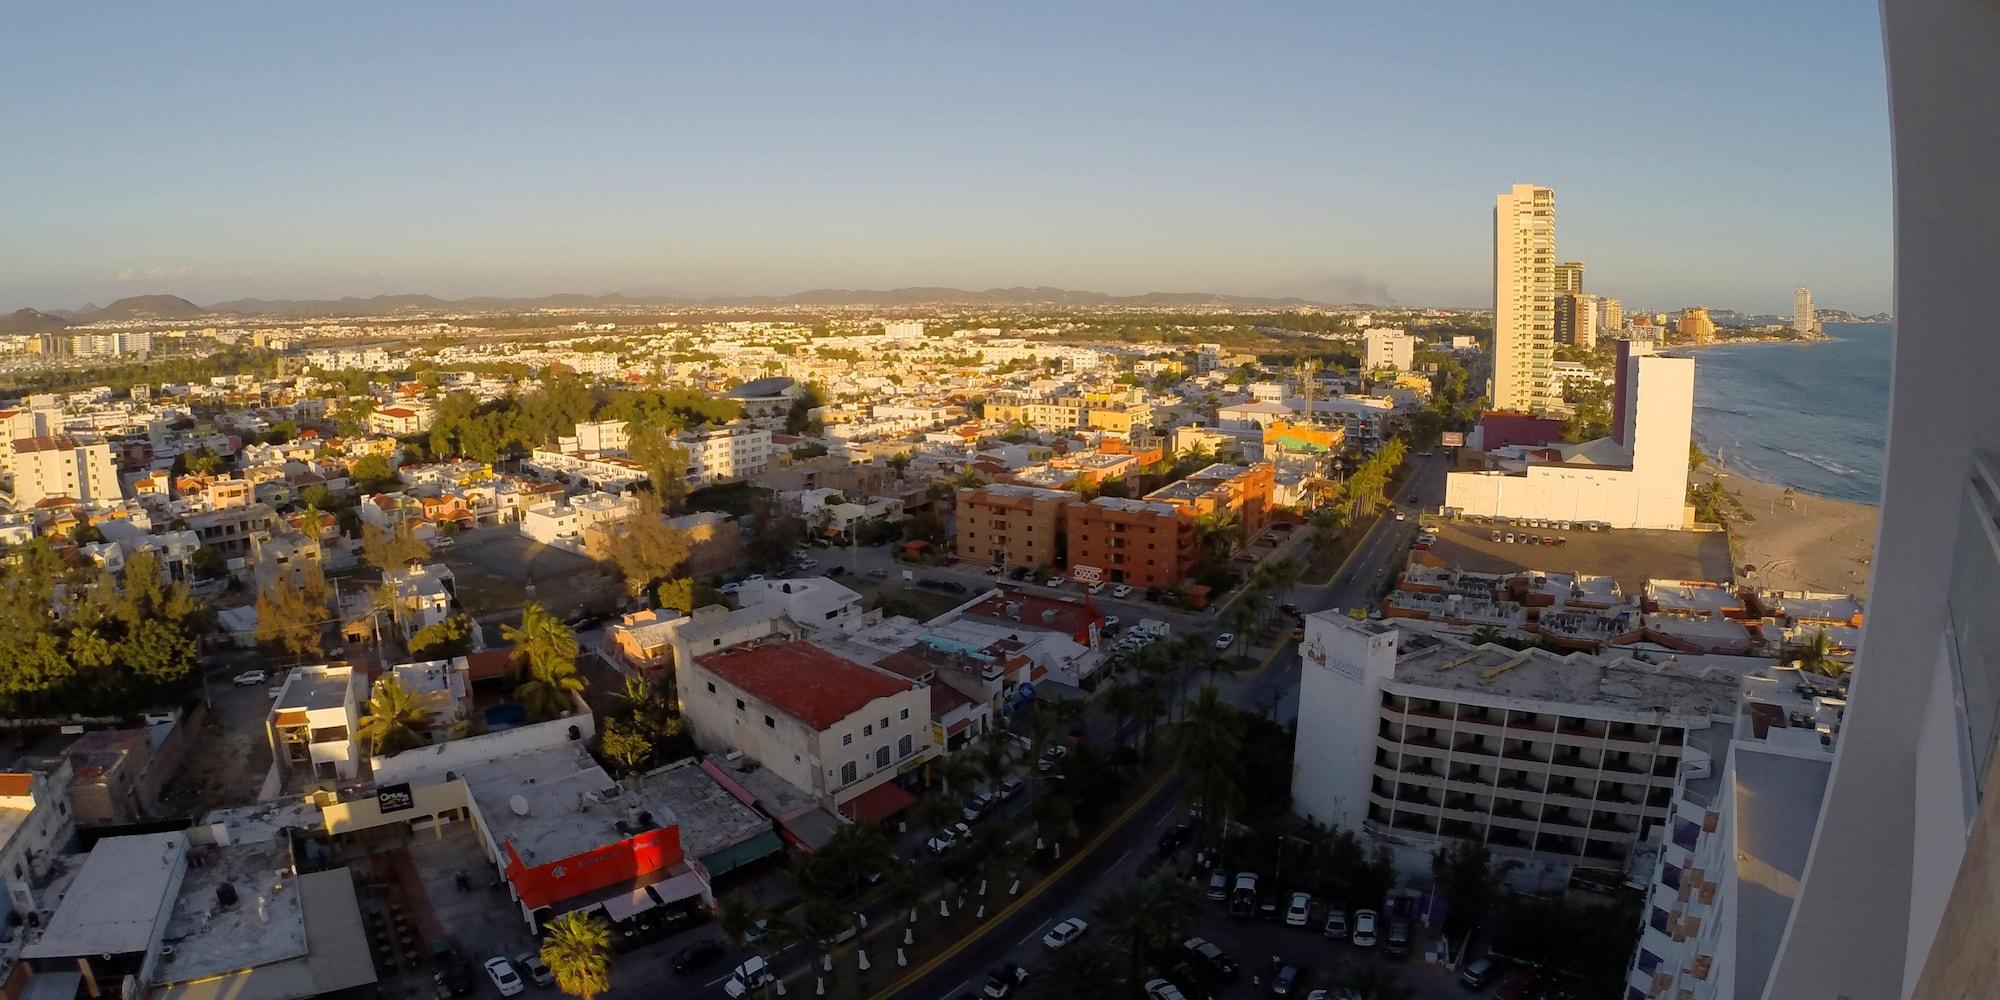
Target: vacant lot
x: 1630, y: 557
x: 495, y: 566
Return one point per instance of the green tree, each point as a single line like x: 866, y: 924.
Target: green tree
x: 547, y: 648
x: 394, y: 719
x: 443, y: 641
x: 666, y: 464
x: 1463, y: 872
x: 293, y: 618
x: 577, y: 950
x: 649, y: 549
x: 1086, y: 970
x: 1207, y: 744
x: 1816, y: 655
x: 392, y: 550
x: 372, y: 473
x: 625, y: 745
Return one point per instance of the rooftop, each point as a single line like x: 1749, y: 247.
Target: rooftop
x: 264, y: 924
x: 1777, y: 807
x: 802, y: 680
x: 111, y: 907
x: 1014, y: 491
x: 571, y: 805
x: 315, y: 688
x: 711, y: 818
x: 1018, y: 607
x: 1126, y: 505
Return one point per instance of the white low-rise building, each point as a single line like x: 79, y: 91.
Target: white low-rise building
x: 312, y: 723
x: 725, y: 454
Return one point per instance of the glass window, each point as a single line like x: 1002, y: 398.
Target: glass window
x: 847, y: 739
x: 770, y: 723
x: 882, y: 755
x: 906, y: 716
x: 849, y: 773
x: 905, y: 746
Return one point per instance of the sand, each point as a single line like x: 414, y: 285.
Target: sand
x: 1804, y: 542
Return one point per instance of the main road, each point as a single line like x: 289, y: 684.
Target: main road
x: 1127, y: 848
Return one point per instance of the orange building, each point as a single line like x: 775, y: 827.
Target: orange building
x: 1010, y: 526
x: 1244, y: 491
x: 1282, y: 437
x: 1139, y: 542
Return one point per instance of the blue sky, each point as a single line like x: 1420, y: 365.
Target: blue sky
x: 1701, y: 153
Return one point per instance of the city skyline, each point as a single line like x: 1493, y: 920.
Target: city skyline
x: 732, y: 153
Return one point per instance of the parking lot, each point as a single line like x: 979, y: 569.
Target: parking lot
x: 1629, y: 556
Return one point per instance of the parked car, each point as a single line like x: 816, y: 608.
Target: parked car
x: 1224, y: 640
x: 1510, y: 538
x: 878, y: 573
x: 695, y: 956
x: 1286, y: 981
x: 1174, y: 836
x: 250, y: 678
x: 505, y: 979
x: 1002, y: 978
x: 1121, y: 591
x: 1336, y: 921
x: 1012, y: 786
x: 534, y: 969
x: 1211, y: 956
x: 1160, y: 989
x: 1364, y: 929
x: 1065, y: 932
x: 992, y: 571
x: 1054, y: 581
x: 1396, y: 944
x: 1479, y: 972
x: 1094, y: 589
x: 753, y: 973
x: 944, y: 841
x: 1496, y: 536
x: 1218, y: 885
x: 1300, y: 911
x: 1268, y: 907
x: 1051, y: 757
x: 978, y: 806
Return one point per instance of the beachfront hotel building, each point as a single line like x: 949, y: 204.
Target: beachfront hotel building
x: 1804, y: 318
x: 1696, y: 326
x: 1553, y: 761
x: 1524, y: 299
x: 1636, y: 478
x: 1901, y: 891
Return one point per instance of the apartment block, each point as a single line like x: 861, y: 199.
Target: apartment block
x: 1384, y: 347
x: 1239, y: 491
x: 58, y: 466
x: 1143, y: 543
x: 1011, y: 526
x: 726, y: 454
x: 312, y: 722
x: 1553, y: 761
x: 1524, y: 299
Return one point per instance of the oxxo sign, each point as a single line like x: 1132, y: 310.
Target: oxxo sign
x: 1086, y: 574
x: 395, y: 798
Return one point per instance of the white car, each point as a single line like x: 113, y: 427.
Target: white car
x: 505, y: 979
x: 1065, y: 932
x: 1363, y: 935
x: 754, y: 972
x: 250, y: 678
x: 534, y: 969
x: 1400, y: 516
x: 1225, y: 640
x: 944, y: 841
x: 1055, y: 581
x: 1122, y: 590
x: 1095, y: 589
x: 1300, y: 912
x: 1160, y: 989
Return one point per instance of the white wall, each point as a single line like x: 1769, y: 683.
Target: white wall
x: 1340, y: 696
x: 433, y: 761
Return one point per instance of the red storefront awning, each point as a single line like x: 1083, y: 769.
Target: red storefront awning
x: 878, y: 803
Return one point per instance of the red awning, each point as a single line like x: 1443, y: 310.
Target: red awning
x: 878, y: 803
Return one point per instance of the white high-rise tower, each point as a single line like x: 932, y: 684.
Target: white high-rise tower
x: 1524, y: 299
x: 1804, y: 319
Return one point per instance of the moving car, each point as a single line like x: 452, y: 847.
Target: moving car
x: 696, y: 955
x: 1400, y: 516
x: 1300, y: 910
x: 505, y: 979
x: 1364, y: 929
x: 1223, y: 640
x: 1065, y: 932
x: 1002, y: 978
x: 1397, y: 944
x: 534, y: 969
x: 751, y: 974
x: 1286, y: 981
x: 250, y: 678
x: 1122, y: 590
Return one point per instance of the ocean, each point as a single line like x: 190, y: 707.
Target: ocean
x: 1812, y: 416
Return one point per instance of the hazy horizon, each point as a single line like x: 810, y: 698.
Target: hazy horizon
x: 1698, y: 157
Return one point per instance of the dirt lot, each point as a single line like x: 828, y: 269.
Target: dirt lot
x: 1630, y: 557
x: 493, y: 566
x: 230, y: 755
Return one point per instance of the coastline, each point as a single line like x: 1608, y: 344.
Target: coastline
x: 1674, y: 349
x: 1799, y: 542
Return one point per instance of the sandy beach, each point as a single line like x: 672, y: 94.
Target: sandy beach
x: 1804, y: 542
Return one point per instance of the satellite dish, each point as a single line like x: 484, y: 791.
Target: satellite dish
x: 519, y: 804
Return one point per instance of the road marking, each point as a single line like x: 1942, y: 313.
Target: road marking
x: 1122, y: 857
x: 1037, y: 932
x: 956, y: 990
x: 1025, y: 898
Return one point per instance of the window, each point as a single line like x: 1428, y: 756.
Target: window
x: 885, y: 722
x: 739, y: 704
x: 831, y: 615
x: 905, y: 746
x: 711, y: 687
x: 906, y: 716
x: 882, y: 755
x: 770, y: 723
x: 849, y: 773
x: 847, y: 739
x: 868, y: 730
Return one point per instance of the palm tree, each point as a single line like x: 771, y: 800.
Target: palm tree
x: 1149, y: 918
x: 735, y: 916
x: 394, y: 719
x: 1208, y: 743
x: 1123, y: 924
x: 858, y: 849
x: 1815, y: 656
x: 1085, y: 970
x: 577, y: 951
x: 1244, y: 617
x: 1219, y: 533
x: 548, y: 648
x: 1124, y: 702
x: 994, y: 757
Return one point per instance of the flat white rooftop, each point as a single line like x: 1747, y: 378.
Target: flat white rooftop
x: 114, y: 903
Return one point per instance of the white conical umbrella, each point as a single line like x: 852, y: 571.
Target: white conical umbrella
x: 901, y: 959
x: 863, y: 952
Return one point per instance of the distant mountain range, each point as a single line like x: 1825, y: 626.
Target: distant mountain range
x: 173, y: 307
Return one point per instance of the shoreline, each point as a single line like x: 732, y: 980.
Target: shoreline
x: 1735, y: 341
x: 1801, y: 541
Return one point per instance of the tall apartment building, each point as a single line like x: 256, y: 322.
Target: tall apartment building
x: 1610, y: 314
x: 1144, y: 543
x: 727, y: 453
x: 1804, y: 318
x: 1524, y: 299
x: 1011, y: 526
x: 1576, y: 320
x: 1553, y: 761
x: 1569, y: 277
x: 57, y: 466
x: 1898, y: 897
x: 1384, y: 347
x: 1696, y: 327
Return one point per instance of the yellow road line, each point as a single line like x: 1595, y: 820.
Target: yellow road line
x: 999, y: 918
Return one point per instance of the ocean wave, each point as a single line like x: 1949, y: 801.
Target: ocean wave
x: 1823, y: 462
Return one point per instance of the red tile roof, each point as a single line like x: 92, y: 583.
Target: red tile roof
x: 945, y: 700
x: 802, y: 680
x: 397, y: 412
x: 878, y: 803
x: 1071, y: 619
x: 44, y: 442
